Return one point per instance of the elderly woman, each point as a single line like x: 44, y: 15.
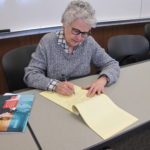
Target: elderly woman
x: 69, y: 53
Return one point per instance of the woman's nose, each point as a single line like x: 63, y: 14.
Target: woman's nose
x: 80, y: 37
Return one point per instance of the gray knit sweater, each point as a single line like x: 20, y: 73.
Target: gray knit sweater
x: 50, y: 61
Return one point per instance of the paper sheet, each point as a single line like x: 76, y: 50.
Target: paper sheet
x: 67, y: 101
x: 99, y: 112
x: 104, y: 117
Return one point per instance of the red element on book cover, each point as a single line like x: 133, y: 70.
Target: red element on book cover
x: 11, y: 103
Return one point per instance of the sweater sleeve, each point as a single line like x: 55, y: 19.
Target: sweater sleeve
x: 35, y: 72
x: 105, y: 64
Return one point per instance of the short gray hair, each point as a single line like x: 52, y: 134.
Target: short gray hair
x: 79, y: 9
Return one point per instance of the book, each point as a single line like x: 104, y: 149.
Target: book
x: 14, y: 112
x: 100, y: 113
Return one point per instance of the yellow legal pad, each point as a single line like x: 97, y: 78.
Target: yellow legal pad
x: 99, y: 112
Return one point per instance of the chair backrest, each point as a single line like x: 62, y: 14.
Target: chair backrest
x: 13, y: 63
x: 147, y: 31
x: 128, y: 48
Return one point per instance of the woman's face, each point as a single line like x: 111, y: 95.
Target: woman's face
x: 76, y: 32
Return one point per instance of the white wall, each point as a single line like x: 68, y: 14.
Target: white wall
x: 19, y: 15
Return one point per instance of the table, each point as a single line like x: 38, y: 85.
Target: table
x: 17, y: 141
x: 59, y: 129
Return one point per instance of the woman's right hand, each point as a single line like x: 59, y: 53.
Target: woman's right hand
x: 65, y: 88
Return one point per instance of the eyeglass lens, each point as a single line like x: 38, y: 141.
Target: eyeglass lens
x: 77, y: 32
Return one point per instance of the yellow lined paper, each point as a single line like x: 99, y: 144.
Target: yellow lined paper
x: 99, y: 112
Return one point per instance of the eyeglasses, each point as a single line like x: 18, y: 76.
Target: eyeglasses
x: 77, y: 32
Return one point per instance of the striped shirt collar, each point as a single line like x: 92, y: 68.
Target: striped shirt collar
x: 61, y: 41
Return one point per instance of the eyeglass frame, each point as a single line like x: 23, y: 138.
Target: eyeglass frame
x: 75, y: 31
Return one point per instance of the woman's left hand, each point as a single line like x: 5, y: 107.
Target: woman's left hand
x: 96, y: 87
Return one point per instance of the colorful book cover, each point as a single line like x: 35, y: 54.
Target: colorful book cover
x: 15, y: 111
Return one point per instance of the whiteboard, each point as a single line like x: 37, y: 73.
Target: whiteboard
x: 112, y: 10
x: 145, y: 11
x: 20, y: 15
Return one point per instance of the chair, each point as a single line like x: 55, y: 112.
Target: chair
x: 13, y: 63
x: 147, y: 35
x: 128, y: 49
x: 147, y: 31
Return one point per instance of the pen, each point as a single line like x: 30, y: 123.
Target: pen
x: 64, y: 78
